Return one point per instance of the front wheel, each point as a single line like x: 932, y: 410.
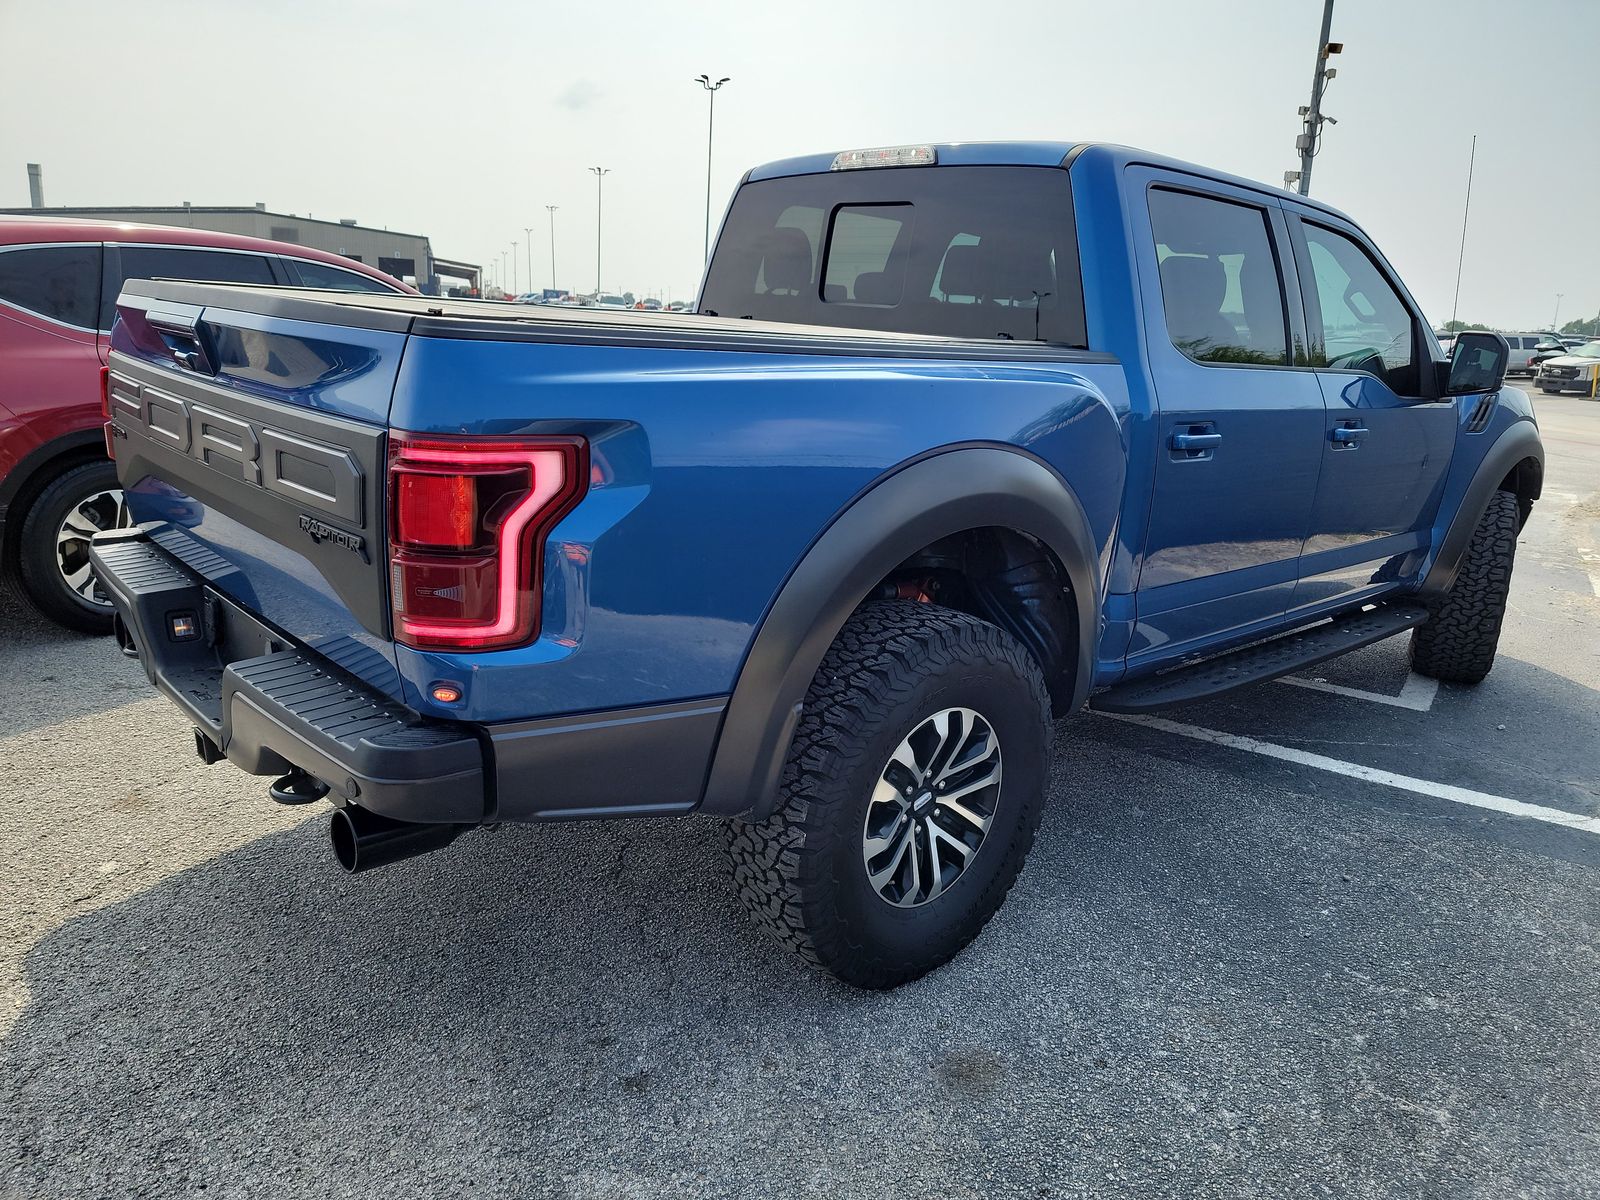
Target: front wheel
x: 910, y: 797
x: 1457, y: 642
x: 54, y: 551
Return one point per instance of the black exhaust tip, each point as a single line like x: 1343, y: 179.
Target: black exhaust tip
x: 364, y: 841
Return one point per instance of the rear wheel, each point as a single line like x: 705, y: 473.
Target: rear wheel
x: 910, y: 798
x: 54, y: 550
x: 1458, y: 641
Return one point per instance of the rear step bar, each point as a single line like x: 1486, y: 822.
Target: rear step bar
x: 1262, y: 661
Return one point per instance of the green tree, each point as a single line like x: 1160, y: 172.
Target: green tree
x: 1458, y: 326
x: 1583, y: 327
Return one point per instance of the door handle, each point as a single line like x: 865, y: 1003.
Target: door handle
x: 1348, y: 435
x: 1196, y: 441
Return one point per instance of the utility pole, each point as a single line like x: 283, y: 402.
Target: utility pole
x: 600, y: 174
x: 516, y: 288
x: 1455, y: 304
x: 528, y: 232
x: 1309, y: 141
x: 711, y: 124
x: 1555, y: 321
x: 551, y: 209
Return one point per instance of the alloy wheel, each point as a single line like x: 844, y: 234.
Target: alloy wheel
x: 932, y: 807
x: 91, y: 515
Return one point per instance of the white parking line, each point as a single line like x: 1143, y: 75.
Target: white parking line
x: 1418, y: 693
x: 1423, y: 787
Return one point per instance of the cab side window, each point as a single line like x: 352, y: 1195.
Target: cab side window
x: 1219, y: 280
x: 1366, y: 326
x: 58, y: 282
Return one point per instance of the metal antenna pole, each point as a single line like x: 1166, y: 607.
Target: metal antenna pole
x: 711, y: 125
x: 600, y: 174
x: 551, y: 209
x: 1313, y: 130
x: 1461, y: 259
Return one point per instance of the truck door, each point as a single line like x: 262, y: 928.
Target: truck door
x: 1389, y: 434
x: 1239, y: 426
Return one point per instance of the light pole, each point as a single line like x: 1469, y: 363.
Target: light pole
x: 528, y: 231
x: 600, y: 174
x: 1555, y: 321
x: 1309, y: 141
x: 516, y: 288
x: 711, y: 124
x: 504, y: 274
x: 551, y: 209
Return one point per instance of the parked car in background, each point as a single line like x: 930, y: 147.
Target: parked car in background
x: 59, y: 280
x: 610, y: 300
x: 1523, y: 346
x: 1547, y: 349
x: 1574, y: 372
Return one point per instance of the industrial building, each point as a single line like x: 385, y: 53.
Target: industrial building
x: 406, y: 256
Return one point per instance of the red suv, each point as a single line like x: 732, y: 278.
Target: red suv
x: 59, y: 280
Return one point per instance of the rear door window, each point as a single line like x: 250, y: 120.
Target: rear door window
x: 973, y: 252
x: 61, y: 283
x: 181, y: 262
x: 1220, y: 288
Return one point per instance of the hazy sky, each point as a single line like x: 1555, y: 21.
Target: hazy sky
x: 462, y: 119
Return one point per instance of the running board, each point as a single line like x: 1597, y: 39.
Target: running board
x: 1262, y: 661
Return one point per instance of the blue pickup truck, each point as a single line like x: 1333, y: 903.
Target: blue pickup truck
x: 961, y: 439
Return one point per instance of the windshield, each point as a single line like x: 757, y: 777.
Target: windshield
x: 1591, y: 350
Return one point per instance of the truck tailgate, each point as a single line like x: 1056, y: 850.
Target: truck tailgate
x: 251, y: 446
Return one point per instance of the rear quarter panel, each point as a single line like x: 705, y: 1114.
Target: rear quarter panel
x: 712, y: 472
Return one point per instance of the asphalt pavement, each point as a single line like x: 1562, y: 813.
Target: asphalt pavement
x: 1332, y: 937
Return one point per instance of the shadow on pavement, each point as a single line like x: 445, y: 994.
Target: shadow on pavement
x: 1196, y: 982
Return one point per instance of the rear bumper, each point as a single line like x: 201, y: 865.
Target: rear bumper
x: 271, y: 704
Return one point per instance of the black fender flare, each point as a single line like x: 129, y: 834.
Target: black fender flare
x: 1519, y: 442
x: 945, y: 493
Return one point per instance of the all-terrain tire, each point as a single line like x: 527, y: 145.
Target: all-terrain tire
x: 801, y: 872
x: 1457, y: 643
x: 37, y: 554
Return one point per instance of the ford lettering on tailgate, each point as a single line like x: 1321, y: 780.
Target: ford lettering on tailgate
x: 304, y: 471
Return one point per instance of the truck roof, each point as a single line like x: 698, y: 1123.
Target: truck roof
x: 1037, y: 154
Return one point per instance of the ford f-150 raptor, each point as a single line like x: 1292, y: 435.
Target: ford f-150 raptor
x: 961, y: 438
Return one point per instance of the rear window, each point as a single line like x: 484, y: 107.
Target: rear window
x: 58, y: 282
x: 974, y: 252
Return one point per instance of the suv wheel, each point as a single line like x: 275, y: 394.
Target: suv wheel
x: 910, y: 798
x: 54, y: 554
x: 1457, y: 643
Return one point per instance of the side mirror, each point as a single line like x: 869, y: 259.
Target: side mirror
x: 1477, y: 364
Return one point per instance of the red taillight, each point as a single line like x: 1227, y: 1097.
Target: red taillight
x: 436, y: 510
x: 468, y: 519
